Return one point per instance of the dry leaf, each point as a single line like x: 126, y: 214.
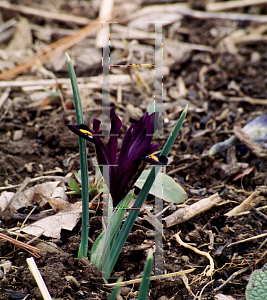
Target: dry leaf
x: 51, y: 226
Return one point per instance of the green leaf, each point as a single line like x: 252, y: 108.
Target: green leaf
x: 257, y: 285
x: 143, y: 289
x: 83, y: 162
x: 78, y: 176
x: 152, y: 107
x: 164, y: 187
x: 102, y: 245
x: 171, y: 139
x: 74, y: 186
x: 113, y: 295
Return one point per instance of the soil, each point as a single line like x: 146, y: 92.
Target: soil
x: 219, y: 84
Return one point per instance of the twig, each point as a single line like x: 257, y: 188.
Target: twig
x: 174, y: 274
x: 8, y: 24
x: 211, y: 268
x: 22, y: 187
x: 211, y: 237
x: 202, y: 290
x: 185, y: 281
x: 245, y: 205
x: 84, y: 82
x: 4, y: 96
x: 233, y: 4
x: 248, y: 99
x: 191, y: 211
x: 223, y: 16
x: 45, y: 14
x: 52, y: 49
x: 183, y: 167
x: 255, y: 148
x: 258, y: 260
x: 248, y: 239
x: 38, y: 278
x: 22, y: 225
x: 230, y: 278
x: 31, y: 249
x: 64, y: 179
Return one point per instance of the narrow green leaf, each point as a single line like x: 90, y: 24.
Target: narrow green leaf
x: 73, y: 185
x: 83, y: 162
x: 113, y: 295
x: 78, y: 176
x: 143, y: 289
x: 171, y: 139
x: 164, y: 187
x: 104, y: 242
x: 75, y: 90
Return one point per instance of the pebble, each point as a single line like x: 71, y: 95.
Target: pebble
x: 17, y: 135
x: 73, y: 282
x: 185, y: 259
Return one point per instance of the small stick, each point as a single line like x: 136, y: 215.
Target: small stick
x: 174, y: 274
x: 31, y: 249
x: 64, y: 179
x: 4, y: 96
x: 248, y: 239
x: 211, y: 268
x: 38, y: 278
x: 204, y: 15
x: 191, y: 211
x: 45, y: 14
x: 202, y: 290
x: 245, y: 205
x: 248, y: 99
x: 230, y: 278
x: 255, y: 148
x: 49, y: 51
x: 185, y: 281
x: 89, y: 82
x: 233, y: 4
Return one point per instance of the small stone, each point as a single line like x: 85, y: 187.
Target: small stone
x: 150, y: 233
x: 163, y: 298
x: 17, y: 135
x: 134, y: 112
x: 73, y: 282
x: 185, y: 259
x: 255, y: 57
x: 6, y: 265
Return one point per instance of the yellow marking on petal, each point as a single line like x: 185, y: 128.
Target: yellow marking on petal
x: 86, y: 132
x: 153, y: 157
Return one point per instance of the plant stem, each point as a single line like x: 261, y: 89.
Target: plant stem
x: 83, y: 162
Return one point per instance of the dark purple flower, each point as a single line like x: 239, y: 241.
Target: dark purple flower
x: 136, y: 151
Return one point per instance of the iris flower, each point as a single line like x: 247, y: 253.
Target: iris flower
x: 136, y: 151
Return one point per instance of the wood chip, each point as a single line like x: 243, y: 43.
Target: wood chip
x: 189, y: 212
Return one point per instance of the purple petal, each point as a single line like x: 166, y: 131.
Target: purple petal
x: 101, y: 152
x: 113, y: 140
x: 96, y: 126
x: 152, y: 148
x: 122, y: 182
